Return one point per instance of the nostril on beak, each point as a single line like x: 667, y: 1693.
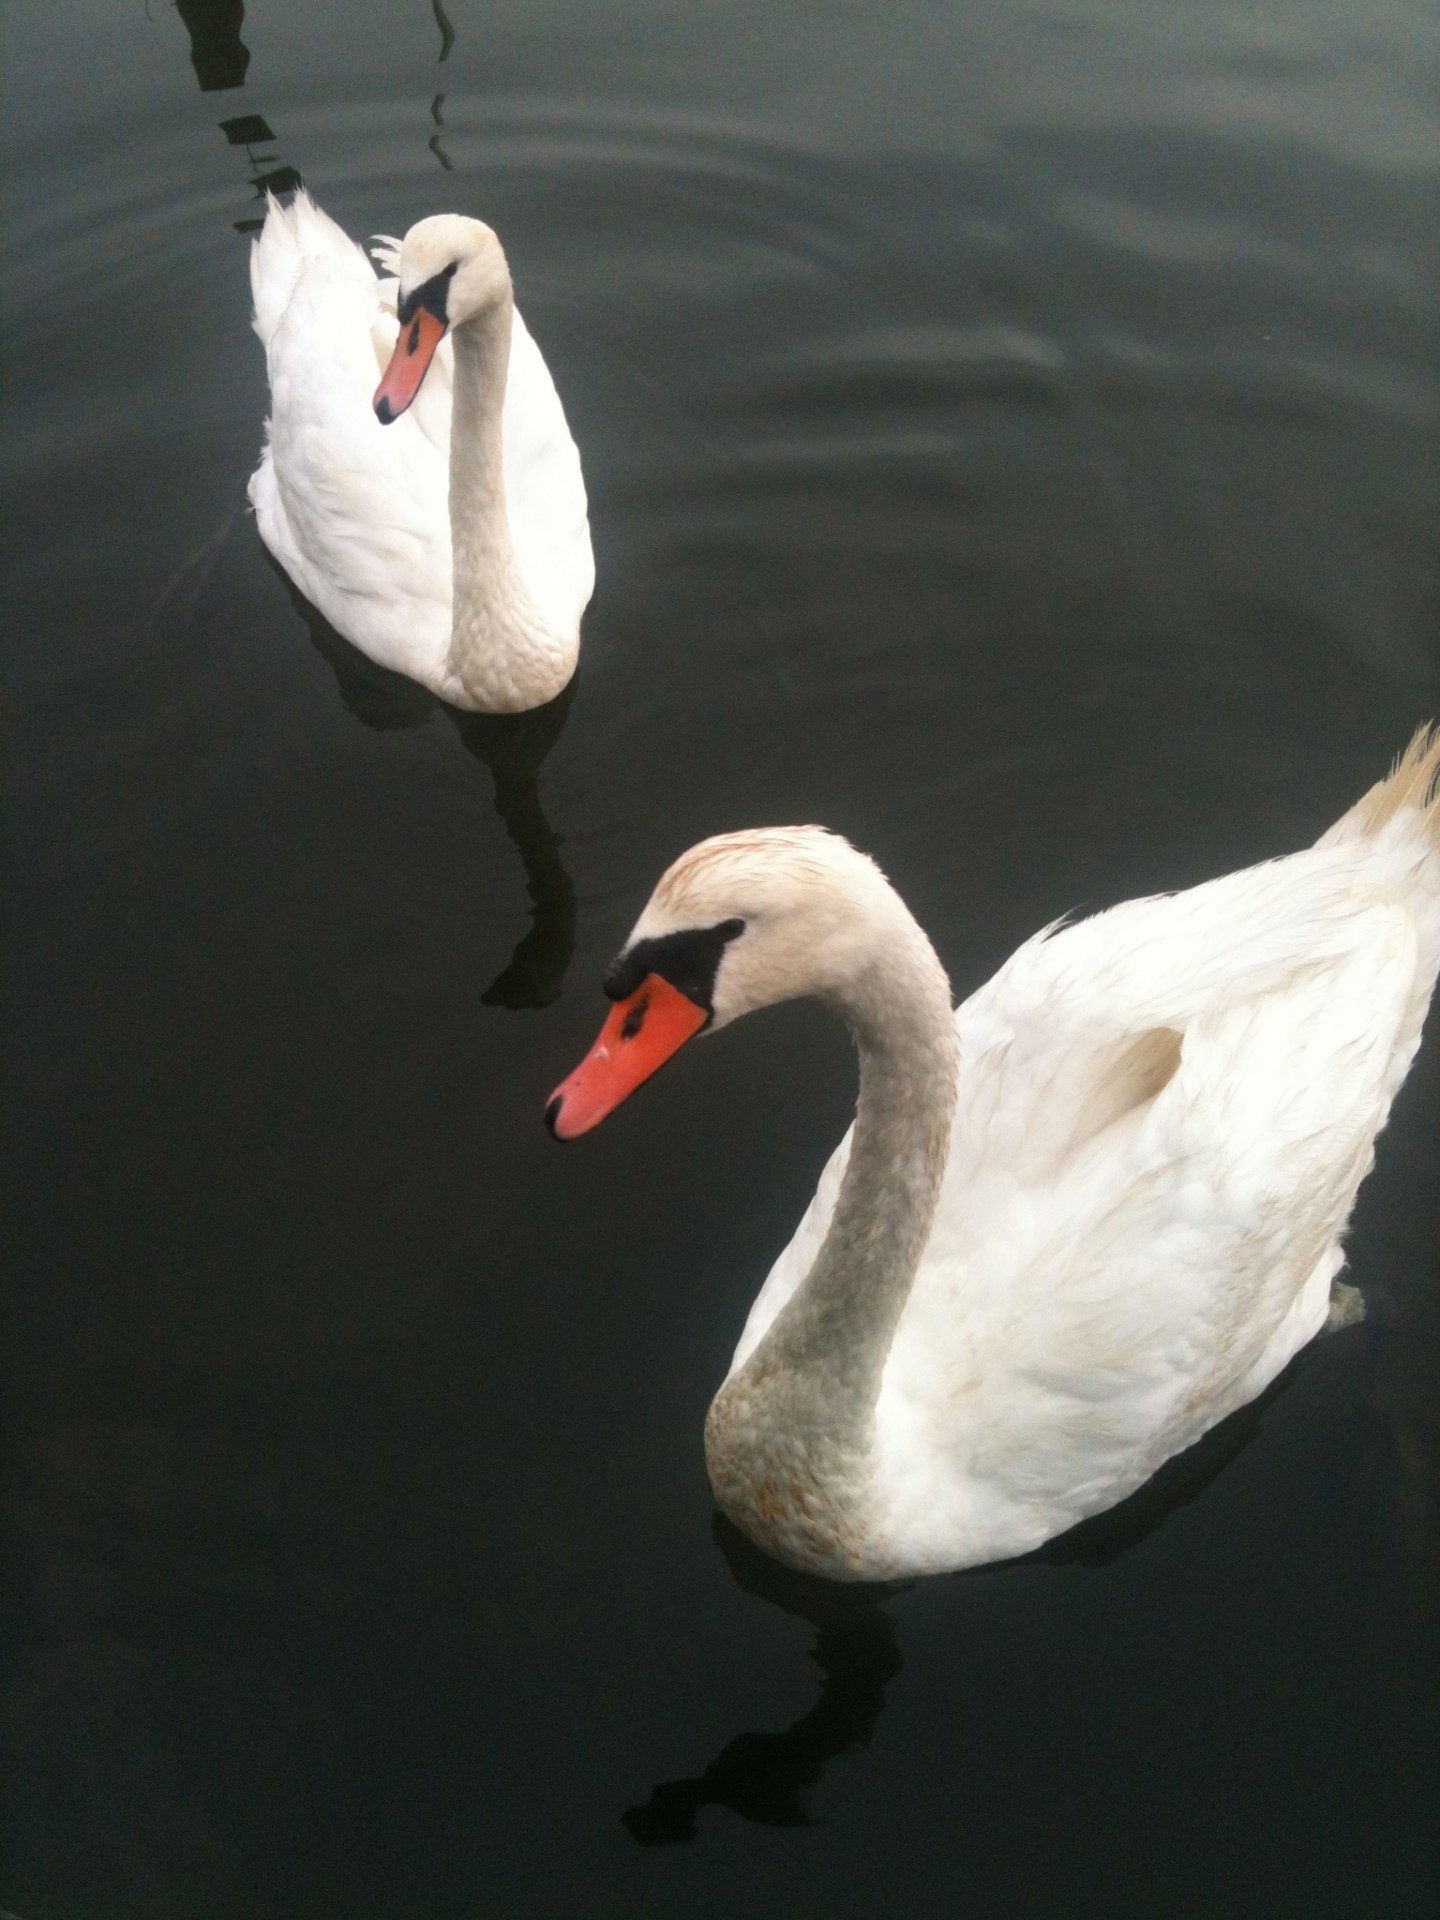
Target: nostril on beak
x: 552, y: 1112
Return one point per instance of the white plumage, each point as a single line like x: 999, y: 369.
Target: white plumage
x: 359, y: 514
x: 1161, y: 1118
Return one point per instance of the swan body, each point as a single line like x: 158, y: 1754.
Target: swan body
x: 1079, y: 1219
x: 452, y: 543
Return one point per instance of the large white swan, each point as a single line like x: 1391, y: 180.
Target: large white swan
x: 450, y: 542
x: 1079, y: 1219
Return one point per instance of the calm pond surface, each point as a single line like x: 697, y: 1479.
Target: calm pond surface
x: 1009, y: 439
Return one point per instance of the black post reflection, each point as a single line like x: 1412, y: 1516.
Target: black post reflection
x: 267, y: 175
x: 447, y: 32
x: 513, y: 747
x: 220, y: 59
x: 217, y: 53
x: 438, y: 117
x: 764, y: 1776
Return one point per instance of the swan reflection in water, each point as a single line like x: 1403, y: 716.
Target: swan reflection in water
x: 513, y: 747
x: 764, y: 1776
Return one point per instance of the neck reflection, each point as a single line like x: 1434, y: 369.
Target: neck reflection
x: 513, y: 747
x: 764, y: 1776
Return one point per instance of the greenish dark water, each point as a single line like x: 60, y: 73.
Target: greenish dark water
x: 1009, y: 433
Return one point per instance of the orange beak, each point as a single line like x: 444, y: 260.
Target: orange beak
x: 640, y: 1035
x: 414, y: 351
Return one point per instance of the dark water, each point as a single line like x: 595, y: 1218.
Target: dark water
x: 1008, y: 433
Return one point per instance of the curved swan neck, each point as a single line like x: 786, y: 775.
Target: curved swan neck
x: 789, y: 1434
x: 501, y: 648
x: 842, y: 1317
x: 477, y: 466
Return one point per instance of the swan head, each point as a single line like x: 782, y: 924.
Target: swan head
x: 451, y: 270
x: 740, y: 922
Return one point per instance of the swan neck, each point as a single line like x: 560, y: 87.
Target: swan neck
x: 501, y: 648
x: 850, y: 1302
x: 477, y: 463
x: 791, y: 1432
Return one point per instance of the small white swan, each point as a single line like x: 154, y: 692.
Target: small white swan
x: 460, y: 557
x: 1078, y: 1220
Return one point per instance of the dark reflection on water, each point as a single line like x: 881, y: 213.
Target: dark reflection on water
x: 447, y: 32
x: 220, y: 60
x: 763, y: 1776
x: 217, y: 53
x: 513, y: 747
x: 435, y: 144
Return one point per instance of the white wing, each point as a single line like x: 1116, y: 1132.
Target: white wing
x: 1164, y: 1115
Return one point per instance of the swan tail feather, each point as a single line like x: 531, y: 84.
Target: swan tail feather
x: 1411, y: 786
x: 1400, y: 816
x: 290, y: 236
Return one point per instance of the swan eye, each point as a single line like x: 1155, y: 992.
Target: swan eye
x: 431, y: 294
x: 689, y: 960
